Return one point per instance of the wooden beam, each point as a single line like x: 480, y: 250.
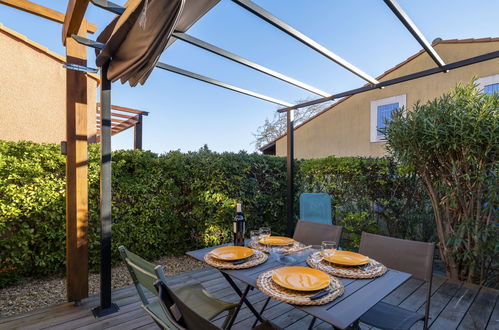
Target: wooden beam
x: 115, y: 114
x: 76, y: 172
x: 74, y: 18
x: 41, y: 11
x: 130, y: 110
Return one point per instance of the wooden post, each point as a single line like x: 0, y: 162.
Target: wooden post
x: 290, y: 159
x: 76, y: 172
x: 137, y: 134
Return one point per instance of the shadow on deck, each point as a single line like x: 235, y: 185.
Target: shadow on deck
x: 453, y: 305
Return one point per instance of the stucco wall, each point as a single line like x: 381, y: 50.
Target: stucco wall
x: 33, y: 92
x: 344, y: 130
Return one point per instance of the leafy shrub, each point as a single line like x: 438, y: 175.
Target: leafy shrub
x: 453, y: 144
x: 175, y: 202
x: 370, y: 194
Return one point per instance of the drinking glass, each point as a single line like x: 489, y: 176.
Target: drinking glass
x: 264, y: 233
x: 328, y: 248
x: 279, y: 254
x: 255, y: 235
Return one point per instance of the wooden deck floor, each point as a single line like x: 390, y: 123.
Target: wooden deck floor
x: 453, y: 306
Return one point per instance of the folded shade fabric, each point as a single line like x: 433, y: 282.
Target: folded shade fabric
x: 135, y: 40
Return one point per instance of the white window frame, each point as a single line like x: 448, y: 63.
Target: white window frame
x: 400, y: 99
x: 488, y: 80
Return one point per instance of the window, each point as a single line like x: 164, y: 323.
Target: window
x: 381, y: 112
x: 490, y: 89
x: 489, y: 84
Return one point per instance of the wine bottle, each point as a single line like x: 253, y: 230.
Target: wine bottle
x: 239, y: 226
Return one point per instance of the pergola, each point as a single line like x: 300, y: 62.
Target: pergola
x: 122, y: 119
x: 74, y: 38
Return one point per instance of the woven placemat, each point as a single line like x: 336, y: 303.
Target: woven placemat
x: 369, y: 270
x: 261, y: 247
x: 257, y: 258
x: 265, y: 284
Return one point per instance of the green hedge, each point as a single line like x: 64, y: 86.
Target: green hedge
x: 174, y: 202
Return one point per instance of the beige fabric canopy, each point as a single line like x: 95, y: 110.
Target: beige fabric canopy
x: 135, y: 40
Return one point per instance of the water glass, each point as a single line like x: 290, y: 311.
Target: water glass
x: 328, y: 248
x: 255, y: 235
x: 264, y: 233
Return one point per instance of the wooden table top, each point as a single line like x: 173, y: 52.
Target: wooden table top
x: 360, y: 295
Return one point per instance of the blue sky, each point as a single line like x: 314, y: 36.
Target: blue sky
x: 186, y: 114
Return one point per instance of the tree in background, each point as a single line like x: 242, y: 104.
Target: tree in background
x: 272, y: 129
x: 453, y: 144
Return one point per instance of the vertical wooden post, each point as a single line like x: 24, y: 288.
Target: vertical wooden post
x: 137, y: 134
x: 76, y: 172
x: 290, y: 171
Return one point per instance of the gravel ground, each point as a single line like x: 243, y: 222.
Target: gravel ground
x: 38, y: 293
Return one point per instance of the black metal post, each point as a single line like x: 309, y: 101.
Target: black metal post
x: 290, y: 167
x: 106, y: 306
x: 137, y: 134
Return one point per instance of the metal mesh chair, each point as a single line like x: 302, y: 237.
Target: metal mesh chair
x: 316, y: 207
x: 408, y: 256
x: 313, y: 233
x: 145, y: 274
x: 190, y: 315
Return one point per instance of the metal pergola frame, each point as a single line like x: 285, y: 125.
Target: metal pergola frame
x: 106, y: 304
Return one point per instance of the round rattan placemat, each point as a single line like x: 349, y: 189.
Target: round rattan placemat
x: 264, y: 248
x: 257, y: 258
x: 370, y: 270
x: 265, y: 284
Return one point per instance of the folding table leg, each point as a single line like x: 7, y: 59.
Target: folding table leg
x: 261, y: 312
x: 238, y: 308
x: 243, y: 296
x: 312, y: 323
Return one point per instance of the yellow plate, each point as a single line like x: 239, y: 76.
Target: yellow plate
x: 277, y: 240
x: 231, y: 253
x: 300, y: 278
x: 347, y: 258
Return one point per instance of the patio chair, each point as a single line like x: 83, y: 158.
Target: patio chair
x: 190, y: 315
x: 145, y: 274
x: 316, y: 207
x: 313, y: 233
x: 408, y: 256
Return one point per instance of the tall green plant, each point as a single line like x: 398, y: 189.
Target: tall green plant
x: 175, y: 202
x: 452, y: 142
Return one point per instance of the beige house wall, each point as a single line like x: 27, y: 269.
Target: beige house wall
x: 344, y: 130
x: 33, y: 92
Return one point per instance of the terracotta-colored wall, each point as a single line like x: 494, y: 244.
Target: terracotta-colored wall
x: 33, y: 92
x: 344, y: 130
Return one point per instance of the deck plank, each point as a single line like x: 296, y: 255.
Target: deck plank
x: 439, y: 301
x: 453, y: 304
x: 494, y: 318
x: 456, y: 308
x: 478, y: 314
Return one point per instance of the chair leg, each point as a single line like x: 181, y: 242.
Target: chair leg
x: 261, y: 312
x: 427, y: 307
x: 230, y: 316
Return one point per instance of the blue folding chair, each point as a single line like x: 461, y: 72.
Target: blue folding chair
x: 316, y: 207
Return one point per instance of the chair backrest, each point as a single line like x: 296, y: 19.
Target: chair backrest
x: 313, y: 233
x: 142, y: 272
x: 316, y: 207
x: 408, y: 256
x: 190, y: 318
x: 168, y: 305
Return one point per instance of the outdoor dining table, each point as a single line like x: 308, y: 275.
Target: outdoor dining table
x: 359, y: 296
